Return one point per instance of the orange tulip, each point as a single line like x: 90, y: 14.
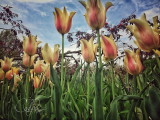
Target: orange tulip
x: 50, y: 56
x: 37, y: 83
x: 1, y: 74
x: 63, y: 20
x: 30, y: 45
x: 6, y: 64
x: 95, y: 13
x: 38, y: 66
x: 88, y: 50
x: 26, y: 59
x: 132, y: 62
x: 10, y: 73
x: 147, y: 38
x: 109, y: 47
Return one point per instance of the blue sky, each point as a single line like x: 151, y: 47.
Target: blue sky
x: 37, y: 15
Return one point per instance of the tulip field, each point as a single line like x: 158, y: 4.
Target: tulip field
x: 42, y: 86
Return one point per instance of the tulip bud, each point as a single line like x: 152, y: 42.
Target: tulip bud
x: 9, y: 75
x: 50, y: 56
x: 30, y: 45
x: 109, y: 47
x: 6, y: 64
x: 16, y: 80
x: 37, y: 83
x: 63, y: 20
x: 95, y: 13
x: 88, y: 50
x: 146, y: 37
x: 1, y: 74
x: 132, y: 62
x: 38, y: 66
x: 27, y: 61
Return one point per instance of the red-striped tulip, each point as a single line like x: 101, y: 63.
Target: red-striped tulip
x: 95, y: 13
x: 109, y: 47
x: 49, y: 55
x: 27, y: 61
x: 38, y: 66
x: 132, y: 62
x: 88, y: 49
x: 6, y: 64
x: 146, y: 37
x: 1, y: 74
x: 63, y: 20
x: 30, y: 45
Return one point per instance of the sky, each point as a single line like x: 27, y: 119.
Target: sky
x: 37, y: 16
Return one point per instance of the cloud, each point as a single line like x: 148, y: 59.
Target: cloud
x: 36, y: 1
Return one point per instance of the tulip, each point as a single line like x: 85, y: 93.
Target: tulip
x: 27, y: 61
x: 95, y: 13
x: 30, y: 45
x: 16, y: 80
x: 10, y: 73
x: 1, y: 74
x: 109, y: 47
x: 6, y: 64
x: 88, y: 50
x: 132, y: 62
x: 38, y: 67
x: 50, y: 56
x: 47, y: 71
x: 63, y: 20
x: 146, y: 37
x: 37, y: 83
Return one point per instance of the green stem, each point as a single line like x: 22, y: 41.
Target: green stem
x: 62, y: 62
x: 135, y: 85
x: 99, y: 48
x: 88, y: 86
x: 113, y: 86
x: 139, y: 84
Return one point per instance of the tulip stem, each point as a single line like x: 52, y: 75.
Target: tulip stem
x: 99, y: 48
x: 62, y: 62
x: 88, y: 86
x: 112, y: 74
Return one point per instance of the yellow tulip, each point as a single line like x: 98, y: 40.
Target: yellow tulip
x: 95, y: 13
x: 109, y: 47
x: 10, y: 73
x: 38, y: 66
x: 30, y: 45
x: 63, y: 20
x: 47, y: 71
x: 16, y: 80
x: 26, y: 59
x: 146, y: 37
x: 6, y: 64
x: 88, y: 50
x: 49, y: 55
x: 132, y: 62
x: 1, y: 74
x: 37, y: 83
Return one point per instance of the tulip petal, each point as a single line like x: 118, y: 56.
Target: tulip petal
x: 108, y: 5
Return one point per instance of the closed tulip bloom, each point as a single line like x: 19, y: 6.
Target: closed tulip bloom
x: 26, y: 59
x: 6, y: 64
x: 1, y: 74
x: 38, y: 66
x: 146, y: 37
x: 109, y: 47
x: 132, y: 62
x: 36, y: 82
x: 47, y: 71
x: 49, y: 55
x: 63, y: 20
x: 10, y: 73
x: 88, y: 49
x: 30, y: 45
x: 95, y: 13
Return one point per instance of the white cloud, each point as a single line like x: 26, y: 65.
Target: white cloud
x: 36, y: 1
